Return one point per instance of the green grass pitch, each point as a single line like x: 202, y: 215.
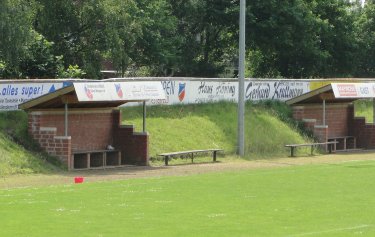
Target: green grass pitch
x: 308, y: 200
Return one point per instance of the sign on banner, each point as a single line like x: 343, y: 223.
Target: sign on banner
x: 275, y: 90
x: 188, y: 92
x: 354, y: 90
x: 192, y: 92
x: 119, y: 91
x: 166, y: 92
x: 13, y: 94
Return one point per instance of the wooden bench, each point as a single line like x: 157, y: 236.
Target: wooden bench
x: 166, y: 156
x: 345, y: 141
x: 330, y: 145
x: 95, y: 159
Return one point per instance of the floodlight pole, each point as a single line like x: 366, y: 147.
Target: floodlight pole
x: 241, y: 81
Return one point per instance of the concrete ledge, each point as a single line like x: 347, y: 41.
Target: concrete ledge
x: 63, y: 137
x: 309, y: 120
x: 321, y: 126
x: 47, y: 129
x: 126, y: 126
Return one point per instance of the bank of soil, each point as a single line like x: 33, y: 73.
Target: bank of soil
x: 131, y: 172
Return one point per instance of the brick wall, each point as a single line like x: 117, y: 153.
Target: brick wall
x: 337, y: 117
x: 134, y: 145
x: 340, y: 121
x: 59, y: 146
x: 364, y: 132
x: 84, y: 135
x: 87, y: 130
x: 321, y: 133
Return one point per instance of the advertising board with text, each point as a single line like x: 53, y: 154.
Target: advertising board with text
x: 13, y: 94
x: 188, y: 92
x: 119, y: 91
x: 354, y: 90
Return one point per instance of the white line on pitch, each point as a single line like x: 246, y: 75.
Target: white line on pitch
x: 332, y: 230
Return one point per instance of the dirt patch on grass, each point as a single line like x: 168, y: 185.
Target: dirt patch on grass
x: 131, y: 172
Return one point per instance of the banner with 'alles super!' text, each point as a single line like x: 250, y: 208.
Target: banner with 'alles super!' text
x: 13, y: 94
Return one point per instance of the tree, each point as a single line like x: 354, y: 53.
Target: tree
x: 158, y: 42
x: 366, y: 33
x: 301, y: 38
x: 39, y: 61
x: 15, y: 32
x: 338, y: 37
x: 77, y: 30
x: 207, y: 28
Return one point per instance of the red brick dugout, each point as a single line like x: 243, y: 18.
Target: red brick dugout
x: 329, y: 117
x: 64, y: 126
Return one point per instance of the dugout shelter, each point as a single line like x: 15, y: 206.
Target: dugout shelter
x: 81, y: 123
x: 329, y: 113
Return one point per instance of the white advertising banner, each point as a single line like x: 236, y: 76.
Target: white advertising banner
x: 188, y: 92
x: 354, y: 90
x: 166, y: 92
x: 275, y: 90
x: 119, y: 91
x: 13, y: 94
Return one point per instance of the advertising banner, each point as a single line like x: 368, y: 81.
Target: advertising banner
x: 188, y: 92
x: 354, y: 90
x: 166, y: 92
x: 119, y: 91
x: 192, y: 92
x: 13, y: 94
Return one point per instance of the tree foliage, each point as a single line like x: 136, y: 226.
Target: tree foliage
x: 296, y: 39
x: 16, y: 19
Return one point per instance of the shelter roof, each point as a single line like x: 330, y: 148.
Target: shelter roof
x: 336, y: 93
x: 97, y: 95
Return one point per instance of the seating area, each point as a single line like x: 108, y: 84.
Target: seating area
x: 167, y: 156
x: 330, y: 146
x: 344, y: 142
x: 96, y: 159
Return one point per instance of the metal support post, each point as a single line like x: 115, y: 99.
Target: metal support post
x: 66, y: 119
x: 144, y: 116
x: 241, y: 82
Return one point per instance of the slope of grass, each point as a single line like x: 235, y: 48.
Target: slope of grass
x: 310, y: 200
x: 173, y: 128
x: 19, y: 154
x: 15, y: 159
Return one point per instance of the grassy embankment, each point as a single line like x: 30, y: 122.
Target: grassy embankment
x: 19, y: 154
x: 172, y: 128
x: 184, y: 127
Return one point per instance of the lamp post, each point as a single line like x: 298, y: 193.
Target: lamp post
x: 241, y: 82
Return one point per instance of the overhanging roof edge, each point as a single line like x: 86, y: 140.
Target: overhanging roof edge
x: 44, y: 98
x: 307, y: 95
